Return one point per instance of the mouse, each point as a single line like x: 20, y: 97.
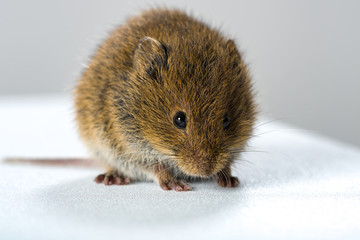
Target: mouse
x: 165, y: 98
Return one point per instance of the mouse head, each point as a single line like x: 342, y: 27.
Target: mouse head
x: 193, y: 102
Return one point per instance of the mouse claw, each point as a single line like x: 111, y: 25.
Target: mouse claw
x: 167, y: 181
x: 100, y: 178
x: 177, y: 185
x: 112, y: 178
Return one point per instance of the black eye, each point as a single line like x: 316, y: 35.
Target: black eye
x: 180, y: 120
x: 226, y: 122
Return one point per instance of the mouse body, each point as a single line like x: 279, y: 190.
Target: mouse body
x: 165, y: 98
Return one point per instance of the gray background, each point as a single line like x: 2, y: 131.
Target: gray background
x: 304, y: 55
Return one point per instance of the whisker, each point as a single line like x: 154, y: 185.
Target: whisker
x: 268, y: 122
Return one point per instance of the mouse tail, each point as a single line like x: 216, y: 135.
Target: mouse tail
x: 71, y: 162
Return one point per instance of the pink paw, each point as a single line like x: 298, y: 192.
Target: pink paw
x: 177, y: 185
x: 112, y: 178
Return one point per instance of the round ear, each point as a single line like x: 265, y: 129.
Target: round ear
x: 149, y: 56
x: 231, y: 47
x: 234, y: 55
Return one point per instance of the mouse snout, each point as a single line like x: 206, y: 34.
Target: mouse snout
x: 208, y: 166
x: 206, y: 171
x: 203, y: 166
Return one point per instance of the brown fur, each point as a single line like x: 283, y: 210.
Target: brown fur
x: 155, y: 65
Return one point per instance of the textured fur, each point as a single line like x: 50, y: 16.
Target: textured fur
x: 156, y: 64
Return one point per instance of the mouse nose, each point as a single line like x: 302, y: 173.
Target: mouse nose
x: 207, y: 168
x: 205, y: 163
x: 205, y: 172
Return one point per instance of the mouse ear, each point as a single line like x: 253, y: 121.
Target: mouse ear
x: 231, y: 48
x: 149, y: 56
x: 235, y: 55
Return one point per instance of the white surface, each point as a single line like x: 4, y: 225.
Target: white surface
x: 298, y: 186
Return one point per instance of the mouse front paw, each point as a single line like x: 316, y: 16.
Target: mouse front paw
x: 112, y: 177
x: 174, y: 184
x: 167, y: 181
x: 224, y: 180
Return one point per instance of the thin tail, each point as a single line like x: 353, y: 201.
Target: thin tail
x: 63, y: 162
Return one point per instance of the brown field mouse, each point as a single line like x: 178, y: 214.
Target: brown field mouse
x: 165, y: 98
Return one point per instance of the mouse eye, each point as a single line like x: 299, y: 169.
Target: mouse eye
x: 180, y: 120
x: 226, y: 122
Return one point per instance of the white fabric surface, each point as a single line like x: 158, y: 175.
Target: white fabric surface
x: 295, y: 185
